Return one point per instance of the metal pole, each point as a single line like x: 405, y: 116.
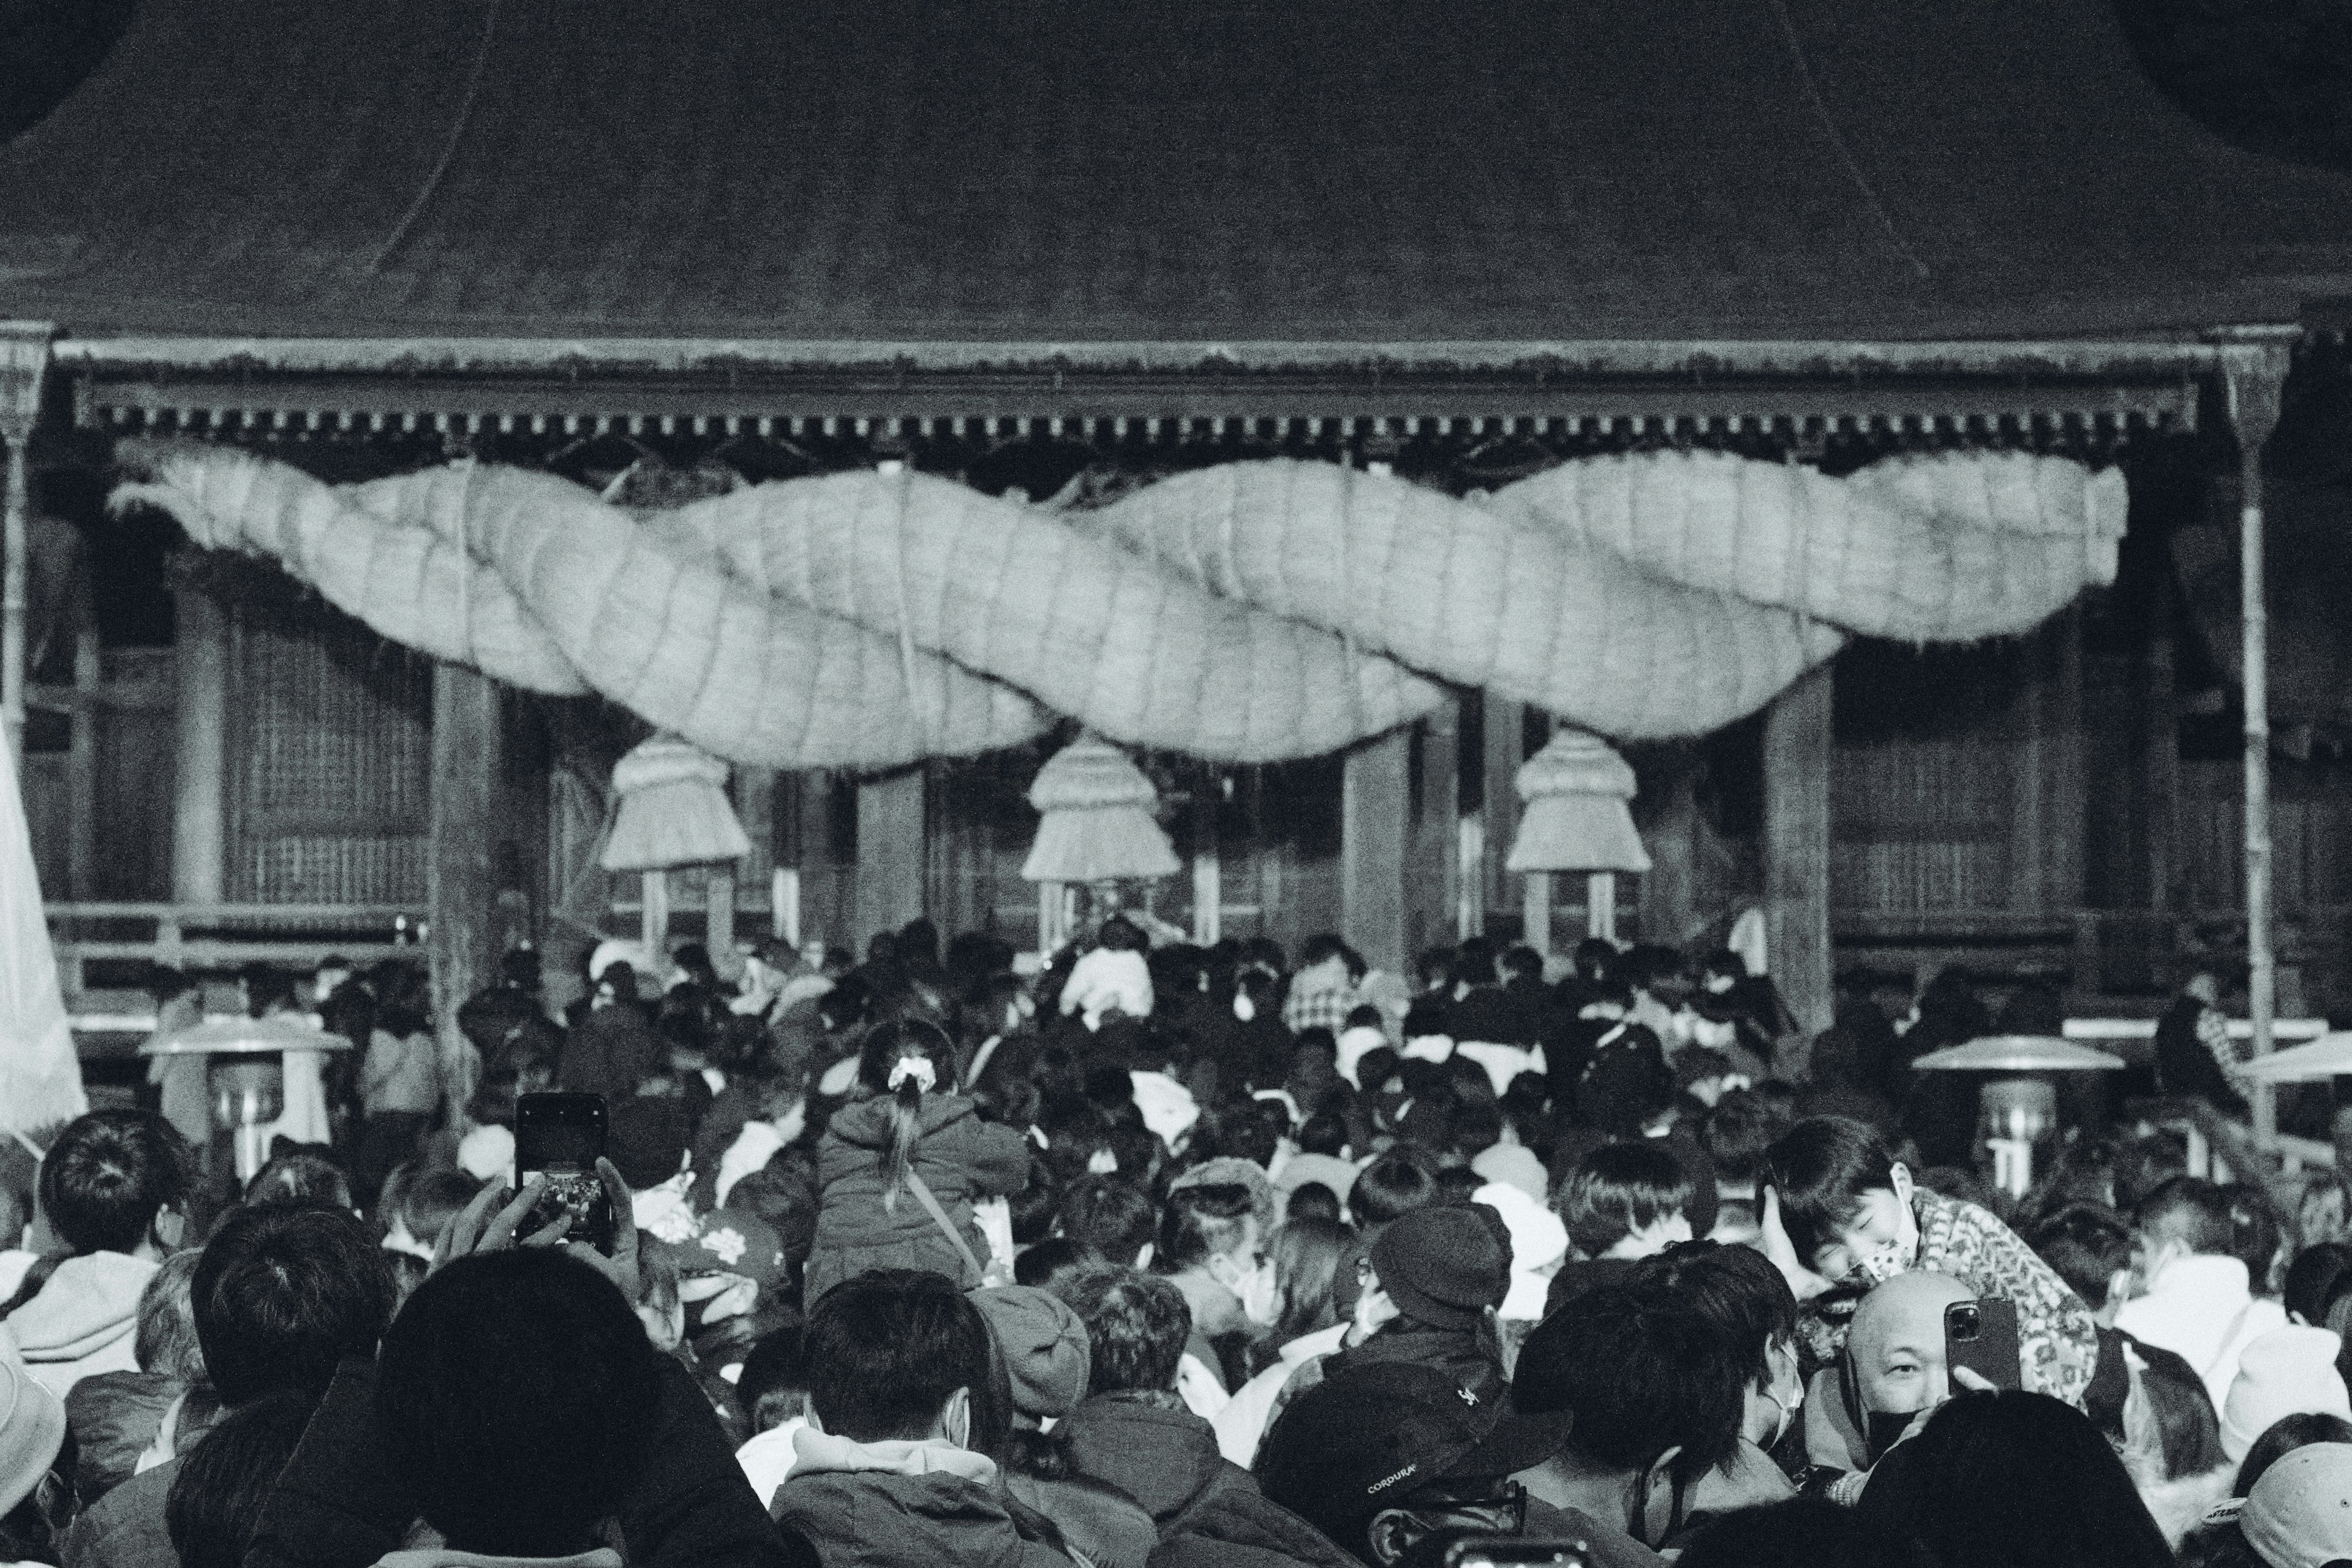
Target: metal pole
x: 2254, y: 364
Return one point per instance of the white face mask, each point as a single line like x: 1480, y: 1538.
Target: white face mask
x: 1883, y: 1263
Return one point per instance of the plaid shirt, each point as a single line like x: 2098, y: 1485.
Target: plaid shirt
x: 1327, y: 1009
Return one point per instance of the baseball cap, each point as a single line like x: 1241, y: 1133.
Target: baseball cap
x: 1370, y: 1435
x: 2299, y: 1515
x: 1445, y: 1266
x: 1046, y: 1354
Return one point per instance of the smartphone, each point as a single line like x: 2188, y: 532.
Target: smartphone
x: 1516, y: 1552
x: 1981, y: 1336
x: 560, y: 1137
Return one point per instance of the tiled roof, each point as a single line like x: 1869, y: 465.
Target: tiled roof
x: 1374, y: 171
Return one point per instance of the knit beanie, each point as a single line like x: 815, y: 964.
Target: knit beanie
x: 1445, y: 1265
x: 1045, y: 1348
x: 2287, y: 1372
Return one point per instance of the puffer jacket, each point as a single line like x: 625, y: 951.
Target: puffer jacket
x: 959, y: 1157
x: 903, y: 1505
x: 1165, y: 1458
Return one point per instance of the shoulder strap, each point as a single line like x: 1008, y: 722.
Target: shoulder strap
x: 922, y: 1190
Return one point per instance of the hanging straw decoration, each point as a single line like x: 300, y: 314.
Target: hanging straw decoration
x: 1095, y: 825
x: 1096, y: 818
x: 674, y: 812
x: 1576, y: 819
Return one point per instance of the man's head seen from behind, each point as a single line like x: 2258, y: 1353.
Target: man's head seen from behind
x: 895, y: 1354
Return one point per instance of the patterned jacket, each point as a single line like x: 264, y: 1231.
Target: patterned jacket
x: 2056, y: 1338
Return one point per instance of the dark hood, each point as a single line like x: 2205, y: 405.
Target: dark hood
x: 1157, y: 1452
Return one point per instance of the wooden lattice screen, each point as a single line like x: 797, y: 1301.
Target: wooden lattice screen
x: 333, y: 728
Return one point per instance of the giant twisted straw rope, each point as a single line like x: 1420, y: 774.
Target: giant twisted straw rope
x: 1250, y: 612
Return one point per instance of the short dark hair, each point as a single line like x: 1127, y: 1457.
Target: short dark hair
x: 1113, y: 1217
x: 107, y: 1177
x: 1137, y: 1325
x: 1619, y: 1189
x: 2317, y: 1278
x: 216, y: 1502
x: 1735, y: 1288
x: 2084, y: 1244
x: 1521, y: 961
x: 516, y: 1392
x: 298, y: 1177
x: 1393, y: 1186
x: 1322, y: 1133
x: 2188, y: 1210
x: 887, y: 1349
x: 1052, y: 1259
x: 1822, y: 1168
x: 774, y: 1382
x: 1200, y: 1223
x: 1739, y: 1130
x: 282, y: 1294
x: 1643, y: 1371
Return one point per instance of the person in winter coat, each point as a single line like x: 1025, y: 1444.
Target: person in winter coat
x: 611, y: 1046
x: 2195, y: 1299
x: 1840, y: 1214
x: 112, y: 1189
x: 880, y: 1154
x: 1133, y: 1432
x: 1046, y: 1359
x: 889, y: 1472
x: 576, y: 1470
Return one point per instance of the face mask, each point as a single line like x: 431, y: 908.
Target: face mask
x: 1895, y: 1257
x: 1788, y: 1396
x: 1885, y: 1429
x: 1244, y: 1008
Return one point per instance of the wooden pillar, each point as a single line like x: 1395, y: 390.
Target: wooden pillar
x: 200, y: 660
x: 24, y: 361
x: 1505, y: 742
x: 2254, y: 364
x: 1375, y: 812
x: 1797, y: 846
x: 1208, y: 857
x: 889, y: 852
x: 1665, y: 808
x: 469, y: 762
x: 1434, y: 875
x: 82, y: 766
x: 2064, y: 767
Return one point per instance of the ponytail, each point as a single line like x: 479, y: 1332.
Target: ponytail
x: 903, y: 1058
x: 909, y: 1079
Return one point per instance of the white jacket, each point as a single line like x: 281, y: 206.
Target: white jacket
x: 2201, y: 1309
x: 1241, y: 1425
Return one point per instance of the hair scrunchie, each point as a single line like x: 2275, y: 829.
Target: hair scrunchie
x: 918, y: 1069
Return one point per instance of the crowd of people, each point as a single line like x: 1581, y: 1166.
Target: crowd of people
x: 1155, y: 1257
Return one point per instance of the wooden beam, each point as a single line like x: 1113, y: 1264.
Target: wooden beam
x: 1797, y: 846
x: 467, y: 765
x: 200, y: 660
x: 1375, y: 812
x: 889, y: 852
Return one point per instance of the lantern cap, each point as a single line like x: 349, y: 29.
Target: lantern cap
x: 2017, y: 1052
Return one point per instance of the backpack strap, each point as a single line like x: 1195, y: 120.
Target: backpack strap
x: 923, y: 1195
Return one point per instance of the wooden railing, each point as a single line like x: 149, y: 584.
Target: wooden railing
x: 217, y: 938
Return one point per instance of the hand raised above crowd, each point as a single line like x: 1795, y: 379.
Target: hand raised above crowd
x: 494, y: 1222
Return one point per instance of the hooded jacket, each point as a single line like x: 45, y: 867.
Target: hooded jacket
x: 83, y: 1321
x: 959, y: 1157
x: 902, y: 1505
x: 1165, y: 1458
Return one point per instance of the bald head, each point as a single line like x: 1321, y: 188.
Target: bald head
x: 1897, y: 1342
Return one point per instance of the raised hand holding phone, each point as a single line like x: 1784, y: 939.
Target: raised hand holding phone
x: 494, y: 1222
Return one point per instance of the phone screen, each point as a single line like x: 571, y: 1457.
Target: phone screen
x: 560, y: 1137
